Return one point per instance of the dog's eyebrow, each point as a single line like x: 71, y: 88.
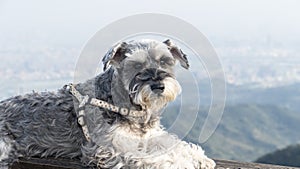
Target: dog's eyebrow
x: 166, y: 57
x: 135, y: 62
x: 139, y: 58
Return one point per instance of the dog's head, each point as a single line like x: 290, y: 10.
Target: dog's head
x: 146, y: 70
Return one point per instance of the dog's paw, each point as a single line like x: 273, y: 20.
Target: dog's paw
x: 207, y: 163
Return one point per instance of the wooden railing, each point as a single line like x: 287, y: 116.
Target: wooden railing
x: 35, y: 163
x: 226, y: 164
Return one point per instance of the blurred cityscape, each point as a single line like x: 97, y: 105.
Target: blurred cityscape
x: 260, y: 63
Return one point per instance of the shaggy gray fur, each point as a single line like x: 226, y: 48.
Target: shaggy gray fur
x: 45, y: 124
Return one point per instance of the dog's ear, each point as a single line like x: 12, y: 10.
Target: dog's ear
x: 177, y: 53
x: 115, y: 55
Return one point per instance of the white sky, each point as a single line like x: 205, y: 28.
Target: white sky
x: 224, y: 18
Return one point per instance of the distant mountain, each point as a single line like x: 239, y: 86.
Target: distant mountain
x: 289, y: 156
x: 285, y: 96
x: 246, y: 131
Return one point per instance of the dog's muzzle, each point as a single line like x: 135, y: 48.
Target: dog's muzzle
x: 157, y: 87
x: 152, y: 89
x: 151, y: 77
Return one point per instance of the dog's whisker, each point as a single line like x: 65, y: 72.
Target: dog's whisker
x: 135, y: 87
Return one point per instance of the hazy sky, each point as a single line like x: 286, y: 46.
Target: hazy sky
x: 80, y: 19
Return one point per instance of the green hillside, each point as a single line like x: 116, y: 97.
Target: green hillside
x: 246, y: 132
x: 289, y: 156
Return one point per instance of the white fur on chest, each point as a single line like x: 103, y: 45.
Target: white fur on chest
x: 125, y: 140
x: 156, y: 149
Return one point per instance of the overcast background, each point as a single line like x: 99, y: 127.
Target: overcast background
x: 257, y: 42
x: 69, y: 19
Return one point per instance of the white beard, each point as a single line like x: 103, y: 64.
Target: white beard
x: 155, y: 102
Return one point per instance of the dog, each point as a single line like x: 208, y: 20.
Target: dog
x: 109, y: 121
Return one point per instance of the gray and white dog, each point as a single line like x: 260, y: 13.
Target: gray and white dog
x: 138, y: 76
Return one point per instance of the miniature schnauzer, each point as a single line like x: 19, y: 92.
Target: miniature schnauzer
x: 110, y: 121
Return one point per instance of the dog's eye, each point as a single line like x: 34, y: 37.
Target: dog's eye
x: 165, y: 61
x: 162, y: 62
x: 138, y: 65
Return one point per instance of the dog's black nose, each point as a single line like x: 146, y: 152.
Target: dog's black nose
x: 157, y: 88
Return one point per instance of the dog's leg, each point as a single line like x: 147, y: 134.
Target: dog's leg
x: 167, y: 151
x: 108, y: 158
x: 5, y: 150
x: 208, y: 163
x: 197, y: 154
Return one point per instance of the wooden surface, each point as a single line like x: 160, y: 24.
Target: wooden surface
x: 36, y: 163
x: 226, y: 164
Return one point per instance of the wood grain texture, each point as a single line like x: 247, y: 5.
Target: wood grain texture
x: 36, y: 163
x: 227, y: 164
